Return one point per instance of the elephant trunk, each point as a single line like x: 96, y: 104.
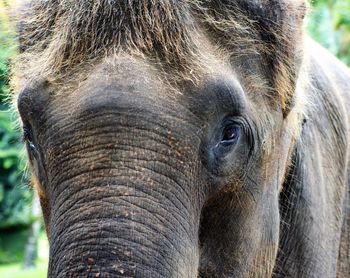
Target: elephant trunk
x: 119, y: 228
x: 124, y: 191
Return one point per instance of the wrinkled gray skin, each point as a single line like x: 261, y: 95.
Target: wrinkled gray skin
x: 137, y: 179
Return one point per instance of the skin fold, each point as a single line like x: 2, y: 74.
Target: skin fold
x: 185, y: 138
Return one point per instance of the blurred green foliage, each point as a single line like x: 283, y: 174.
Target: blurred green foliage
x: 15, y: 270
x: 329, y: 24
x: 15, y: 197
x: 12, y: 244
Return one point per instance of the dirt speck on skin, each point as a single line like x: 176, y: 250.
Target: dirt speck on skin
x: 91, y: 261
x: 119, y: 268
x: 127, y: 253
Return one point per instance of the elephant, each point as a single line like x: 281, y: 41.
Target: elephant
x: 185, y: 138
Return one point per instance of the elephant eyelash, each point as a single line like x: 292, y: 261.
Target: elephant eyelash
x: 27, y: 136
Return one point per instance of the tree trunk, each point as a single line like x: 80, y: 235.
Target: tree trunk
x: 31, y: 250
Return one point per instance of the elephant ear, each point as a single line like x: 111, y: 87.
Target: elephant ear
x: 281, y: 24
x: 263, y: 36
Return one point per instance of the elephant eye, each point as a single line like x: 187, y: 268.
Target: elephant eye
x: 28, y: 139
x: 230, y: 134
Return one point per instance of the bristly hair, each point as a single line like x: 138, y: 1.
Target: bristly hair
x: 270, y: 32
x: 58, y: 35
x: 71, y: 31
